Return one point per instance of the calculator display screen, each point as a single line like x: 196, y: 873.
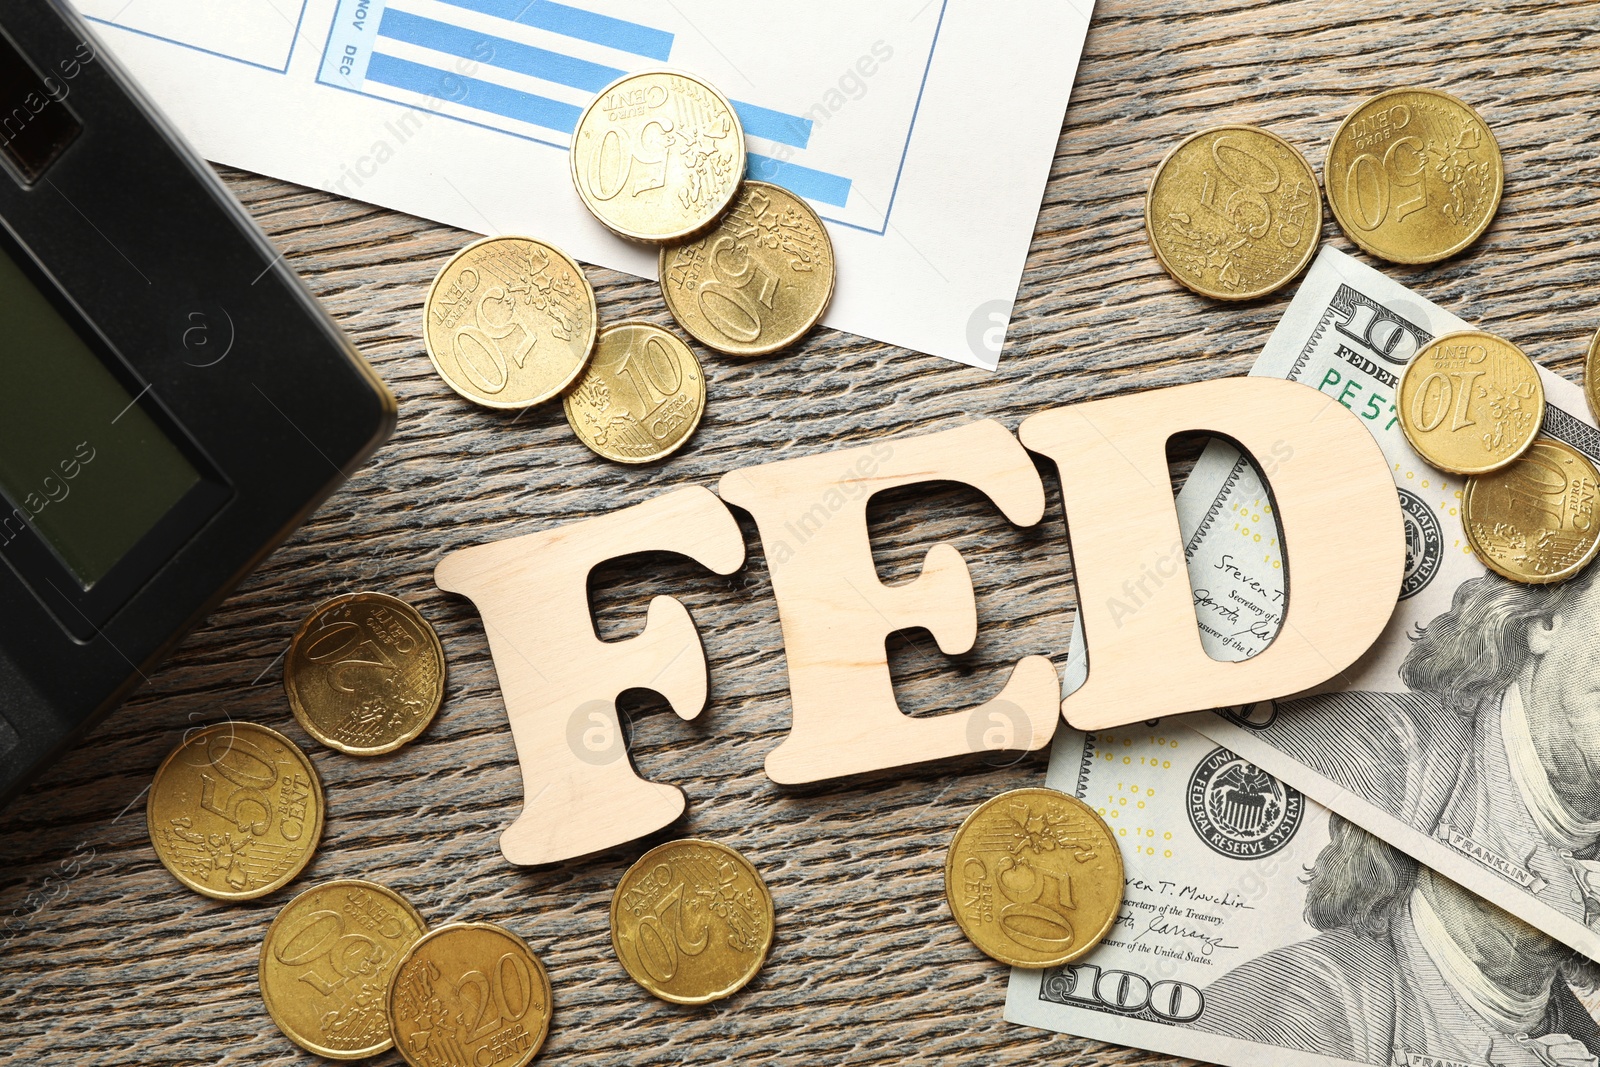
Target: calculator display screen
x: 81, y: 461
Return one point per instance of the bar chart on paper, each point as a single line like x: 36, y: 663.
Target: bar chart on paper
x: 526, y: 68
x: 258, y: 32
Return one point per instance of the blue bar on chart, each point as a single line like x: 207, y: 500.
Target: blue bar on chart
x: 384, y: 49
x: 579, y: 24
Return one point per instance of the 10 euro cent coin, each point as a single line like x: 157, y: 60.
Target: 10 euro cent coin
x: 1034, y: 878
x: 641, y: 397
x: 509, y: 322
x: 235, y: 811
x: 1470, y: 402
x: 1538, y: 519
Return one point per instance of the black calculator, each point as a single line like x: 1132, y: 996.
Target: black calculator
x: 173, y: 401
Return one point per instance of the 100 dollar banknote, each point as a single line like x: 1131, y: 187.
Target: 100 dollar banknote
x: 1469, y: 735
x: 1259, y: 929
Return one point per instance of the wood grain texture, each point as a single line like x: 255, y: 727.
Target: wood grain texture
x: 107, y: 961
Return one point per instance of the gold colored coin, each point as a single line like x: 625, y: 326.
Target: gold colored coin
x: 1470, y: 402
x: 1535, y: 521
x: 1413, y: 176
x: 509, y: 321
x: 326, y: 963
x: 758, y: 281
x: 692, y: 921
x: 642, y: 396
x: 235, y: 811
x: 1233, y: 213
x: 658, y: 156
x: 365, y: 673
x: 469, y: 993
x: 1034, y: 878
x: 1591, y: 375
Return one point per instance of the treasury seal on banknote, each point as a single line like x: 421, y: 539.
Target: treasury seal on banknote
x: 1239, y: 810
x: 1424, y: 544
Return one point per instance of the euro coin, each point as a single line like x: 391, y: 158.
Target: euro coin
x: 469, y: 993
x: 758, y: 281
x: 1591, y: 375
x: 1034, y: 878
x: 364, y: 673
x: 658, y: 156
x: 642, y: 396
x: 1413, y: 176
x: 326, y: 963
x: 510, y: 322
x: 1535, y: 521
x: 692, y: 921
x: 1470, y: 403
x: 235, y: 811
x: 1233, y: 213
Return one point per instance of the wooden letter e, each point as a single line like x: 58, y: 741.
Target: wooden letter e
x: 812, y: 513
x: 561, y: 682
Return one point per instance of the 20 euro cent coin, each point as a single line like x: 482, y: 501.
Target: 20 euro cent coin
x: 364, y: 673
x: 692, y: 921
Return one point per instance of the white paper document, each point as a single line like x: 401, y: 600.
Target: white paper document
x: 922, y: 130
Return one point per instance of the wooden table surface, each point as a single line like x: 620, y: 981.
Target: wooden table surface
x: 105, y: 959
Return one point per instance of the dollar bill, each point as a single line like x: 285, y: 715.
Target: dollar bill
x: 1260, y: 929
x: 1469, y: 736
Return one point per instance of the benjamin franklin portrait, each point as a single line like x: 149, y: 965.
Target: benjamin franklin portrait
x: 1407, y: 968
x: 1495, y: 749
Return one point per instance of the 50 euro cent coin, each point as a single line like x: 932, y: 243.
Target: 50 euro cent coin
x: 1538, y: 519
x: 510, y: 322
x: 758, y: 281
x: 658, y: 156
x: 235, y: 811
x: 469, y: 993
x: 641, y: 397
x: 692, y: 921
x: 1034, y: 878
x: 326, y: 962
x: 1413, y: 175
x: 364, y: 673
x: 1233, y: 213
